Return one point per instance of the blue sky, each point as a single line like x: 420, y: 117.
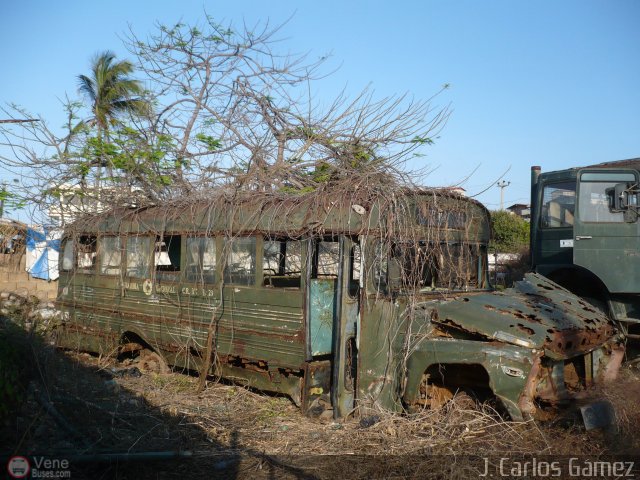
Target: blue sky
x: 550, y: 83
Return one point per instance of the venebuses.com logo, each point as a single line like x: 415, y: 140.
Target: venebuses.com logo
x: 38, y: 467
x: 18, y: 467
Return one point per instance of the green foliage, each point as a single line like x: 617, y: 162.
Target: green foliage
x: 210, y: 142
x: 361, y: 157
x: 322, y: 173
x: 422, y: 140
x: 296, y: 191
x: 83, y: 169
x: 510, y: 232
x: 131, y: 152
x: 98, y: 151
x: 111, y: 91
x: 9, y: 201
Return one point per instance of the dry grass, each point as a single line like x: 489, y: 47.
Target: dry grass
x: 267, y: 436
x: 272, y: 424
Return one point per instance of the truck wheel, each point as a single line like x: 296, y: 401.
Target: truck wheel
x: 598, y: 303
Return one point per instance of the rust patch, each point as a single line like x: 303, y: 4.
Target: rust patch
x: 525, y: 402
x: 612, y: 368
x: 566, y: 341
x: 527, y: 330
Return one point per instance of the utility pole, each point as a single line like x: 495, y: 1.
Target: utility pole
x: 502, y: 184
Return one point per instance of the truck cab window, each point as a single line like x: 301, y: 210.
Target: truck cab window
x: 595, y: 200
x: 558, y: 205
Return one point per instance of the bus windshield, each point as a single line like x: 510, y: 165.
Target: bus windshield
x: 427, y: 266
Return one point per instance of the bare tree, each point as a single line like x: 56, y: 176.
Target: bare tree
x: 241, y: 112
x: 229, y: 110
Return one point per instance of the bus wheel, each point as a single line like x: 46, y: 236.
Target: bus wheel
x: 152, y: 362
x: 432, y: 396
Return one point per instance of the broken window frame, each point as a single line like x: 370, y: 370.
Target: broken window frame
x: 380, y: 266
x: 326, y: 258
x: 167, y: 256
x: 441, y: 267
x: 282, y: 263
x: 355, y: 270
x: 87, y: 246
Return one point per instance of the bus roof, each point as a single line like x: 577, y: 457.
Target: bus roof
x: 295, y: 215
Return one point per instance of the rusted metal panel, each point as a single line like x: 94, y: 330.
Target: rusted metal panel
x: 536, y: 313
x: 537, y: 342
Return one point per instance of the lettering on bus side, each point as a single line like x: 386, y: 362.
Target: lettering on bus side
x: 132, y: 286
x: 197, y: 292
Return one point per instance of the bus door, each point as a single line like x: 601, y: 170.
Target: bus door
x: 606, y: 229
x: 333, y: 310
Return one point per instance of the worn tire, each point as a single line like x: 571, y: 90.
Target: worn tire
x: 151, y: 362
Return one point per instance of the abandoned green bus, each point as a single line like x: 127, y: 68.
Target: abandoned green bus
x: 339, y: 303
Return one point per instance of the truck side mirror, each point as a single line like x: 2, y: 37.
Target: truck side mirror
x: 623, y: 198
x: 617, y: 197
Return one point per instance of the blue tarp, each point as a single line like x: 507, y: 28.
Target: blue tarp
x: 43, y: 248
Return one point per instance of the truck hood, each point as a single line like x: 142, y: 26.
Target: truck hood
x: 535, y: 313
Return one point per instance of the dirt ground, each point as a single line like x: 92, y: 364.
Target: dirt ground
x: 110, y: 420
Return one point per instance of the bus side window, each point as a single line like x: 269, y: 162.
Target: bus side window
x: 201, y: 259
x: 327, y: 259
x: 110, y: 255
x: 380, y: 266
x: 240, y: 268
x: 167, y: 253
x: 138, y: 256
x: 355, y: 270
x: 67, y: 255
x: 282, y: 263
x: 87, y: 251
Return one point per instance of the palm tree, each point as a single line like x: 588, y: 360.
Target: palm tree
x: 111, y: 92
